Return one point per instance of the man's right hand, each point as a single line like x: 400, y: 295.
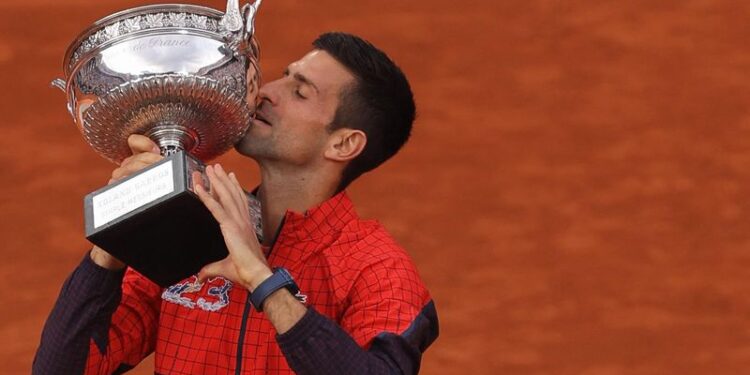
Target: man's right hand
x: 145, y: 153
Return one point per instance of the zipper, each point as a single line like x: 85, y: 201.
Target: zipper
x: 243, y: 329
x: 248, y: 309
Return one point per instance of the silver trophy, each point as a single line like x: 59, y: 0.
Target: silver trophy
x: 186, y: 76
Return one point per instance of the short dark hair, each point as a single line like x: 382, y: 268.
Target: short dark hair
x: 380, y: 102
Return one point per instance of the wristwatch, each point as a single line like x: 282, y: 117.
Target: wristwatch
x: 280, y: 279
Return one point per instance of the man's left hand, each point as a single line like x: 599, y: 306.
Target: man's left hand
x: 246, y: 264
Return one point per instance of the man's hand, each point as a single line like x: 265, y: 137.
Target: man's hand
x: 246, y: 264
x: 145, y: 152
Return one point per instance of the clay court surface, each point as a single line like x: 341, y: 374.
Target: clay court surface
x: 574, y: 195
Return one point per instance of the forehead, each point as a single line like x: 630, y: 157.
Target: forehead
x: 322, y: 70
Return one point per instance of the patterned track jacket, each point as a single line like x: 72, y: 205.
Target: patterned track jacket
x: 368, y: 311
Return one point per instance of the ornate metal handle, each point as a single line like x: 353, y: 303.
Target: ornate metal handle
x: 59, y: 83
x: 237, y: 34
x: 232, y: 20
x: 63, y: 86
x: 250, y: 11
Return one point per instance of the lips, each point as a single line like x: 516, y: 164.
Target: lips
x: 259, y: 117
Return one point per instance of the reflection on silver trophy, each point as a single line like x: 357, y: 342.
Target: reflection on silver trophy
x: 186, y: 76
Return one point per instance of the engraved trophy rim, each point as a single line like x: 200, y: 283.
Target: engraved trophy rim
x: 129, y: 13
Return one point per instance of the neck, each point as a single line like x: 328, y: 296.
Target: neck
x: 281, y: 191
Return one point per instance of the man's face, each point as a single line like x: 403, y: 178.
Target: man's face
x: 295, y: 110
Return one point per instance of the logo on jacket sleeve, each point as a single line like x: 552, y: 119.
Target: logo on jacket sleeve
x: 301, y: 297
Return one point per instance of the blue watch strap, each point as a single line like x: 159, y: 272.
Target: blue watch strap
x: 280, y: 279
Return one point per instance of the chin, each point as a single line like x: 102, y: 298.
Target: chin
x: 243, y: 147
x: 252, y: 148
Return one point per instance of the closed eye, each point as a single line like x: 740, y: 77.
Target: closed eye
x: 301, y: 79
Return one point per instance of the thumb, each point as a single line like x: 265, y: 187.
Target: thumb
x: 214, y: 269
x: 140, y: 143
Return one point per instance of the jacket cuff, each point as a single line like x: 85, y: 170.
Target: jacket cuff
x: 311, y: 322
x: 90, y: 273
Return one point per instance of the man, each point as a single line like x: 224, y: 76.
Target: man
x: 359, y: 306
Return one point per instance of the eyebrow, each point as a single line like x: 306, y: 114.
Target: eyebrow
x: 299, y: 77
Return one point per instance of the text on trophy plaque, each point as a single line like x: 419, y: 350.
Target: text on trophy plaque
x: 140, y: 190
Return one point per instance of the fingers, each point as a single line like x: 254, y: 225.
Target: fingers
x: 145, y: 152
x: 134, y: 163
x: 241, y: 196
x: 234, y: 188
x: 220, y: 268
x: 146, y: 157
x: 213, y: 206
x: 227, y: 204
x: 225, y: 191
x: 140, y: 144
x: 197, y: 178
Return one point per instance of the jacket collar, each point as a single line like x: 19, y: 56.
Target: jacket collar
x: 325, y: 220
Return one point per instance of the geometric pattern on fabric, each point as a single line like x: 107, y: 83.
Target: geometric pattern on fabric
x: 351, y: 270
x: 131, y: 329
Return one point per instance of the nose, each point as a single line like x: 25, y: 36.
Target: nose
x: 268, y: 93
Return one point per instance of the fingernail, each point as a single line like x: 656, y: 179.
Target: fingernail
x: 218, y: 167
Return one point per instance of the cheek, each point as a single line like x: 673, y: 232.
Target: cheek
x: 304, y: 125
x: 305, y: 140
x: 306, y: 122
x: 309, y: 114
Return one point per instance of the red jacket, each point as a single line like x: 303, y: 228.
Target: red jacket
x: 349, y: 270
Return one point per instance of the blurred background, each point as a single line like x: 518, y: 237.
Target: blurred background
x: 573, y: 194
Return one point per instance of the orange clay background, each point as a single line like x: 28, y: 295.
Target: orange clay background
x: 574, y: 194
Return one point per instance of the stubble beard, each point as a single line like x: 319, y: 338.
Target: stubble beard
x: 257, y: 149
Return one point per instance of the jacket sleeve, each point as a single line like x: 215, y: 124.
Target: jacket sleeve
x: 389, y: 323
x: 103, y: 322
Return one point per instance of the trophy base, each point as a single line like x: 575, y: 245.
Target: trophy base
x: 155, y: 223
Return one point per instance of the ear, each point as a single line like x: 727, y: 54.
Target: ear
x: 345, y: 144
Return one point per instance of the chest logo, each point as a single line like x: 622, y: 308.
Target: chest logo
x: 216, y: 297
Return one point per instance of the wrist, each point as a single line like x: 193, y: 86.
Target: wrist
x: 105, y: 260
x: 257, y: 277
x: 280, y: 279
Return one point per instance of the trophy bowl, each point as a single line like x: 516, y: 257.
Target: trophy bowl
x: 185, y: 75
